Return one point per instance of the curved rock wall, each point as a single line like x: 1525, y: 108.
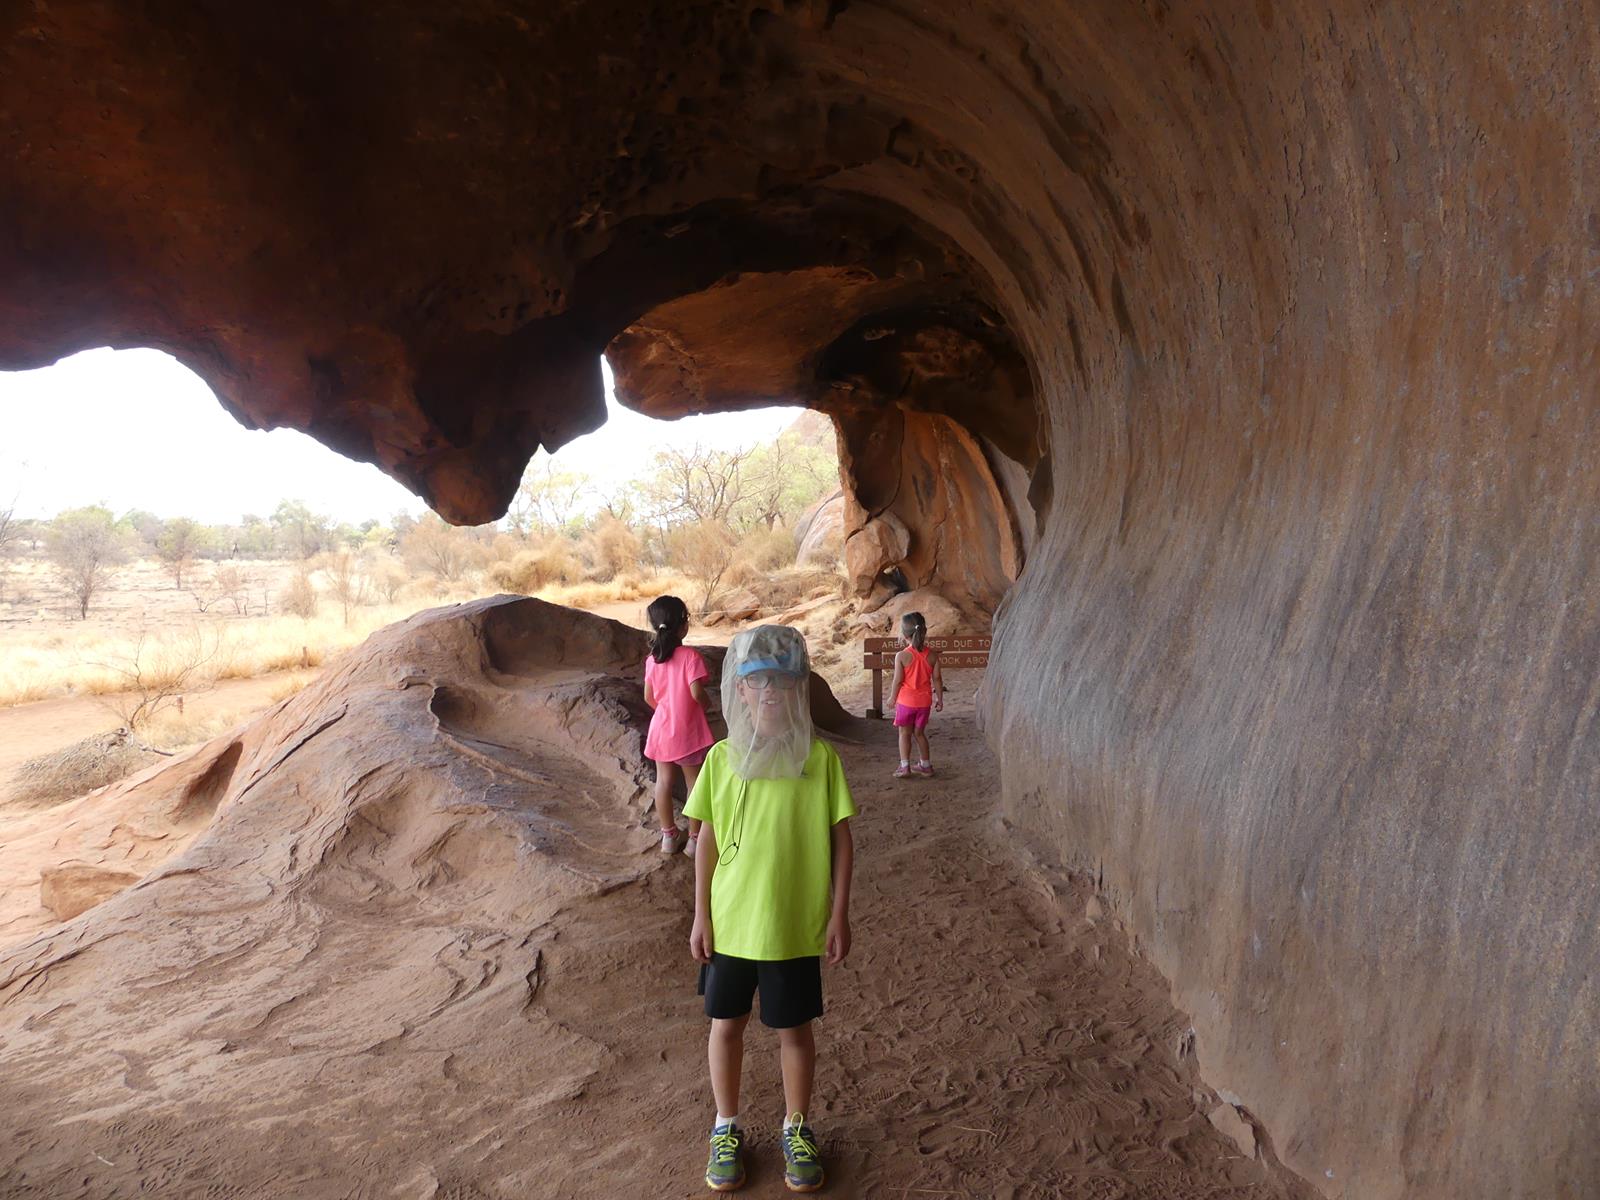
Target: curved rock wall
x: 1275, y: 314
x: 1304, y: 667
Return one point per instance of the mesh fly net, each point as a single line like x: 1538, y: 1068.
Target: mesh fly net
x: 766, y: 699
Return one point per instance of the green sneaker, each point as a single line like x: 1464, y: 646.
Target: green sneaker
x: 725, y: 1167
x: 802, y: 1165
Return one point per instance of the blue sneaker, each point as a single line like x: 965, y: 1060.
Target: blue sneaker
x: 725, y: 1167
x: 802, y: 1165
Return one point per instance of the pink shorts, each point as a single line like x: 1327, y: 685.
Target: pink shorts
x: 912, y: 718
x: 692, y: 760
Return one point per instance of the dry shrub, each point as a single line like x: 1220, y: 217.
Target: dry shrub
x: 630, y: 586
x: 299, y: 597
x: 581, y: 595
x: 768, y: 550
x: 611, y: 548
x: 154, y: 673
x: 759, y: 554
x: 522, y: 574
x: 388, y: 579
x: 231, y: 585
x: 79, y: 768
x: 348, y: 579
x: 440, y: 549
x: 506, y: 546
x: 703, y: 551
x: 538, y: 568
x: 424, y: 588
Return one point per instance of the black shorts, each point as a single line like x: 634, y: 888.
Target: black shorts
x: 791, y: 989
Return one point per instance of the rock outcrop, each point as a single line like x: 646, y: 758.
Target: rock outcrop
x: 1270, y: 323
x: 370, y: 868
x: 819, y: 533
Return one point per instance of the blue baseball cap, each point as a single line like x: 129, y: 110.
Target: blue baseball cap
x: 770, y: 648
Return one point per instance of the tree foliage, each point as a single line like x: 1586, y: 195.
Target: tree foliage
x: 301, y: 533
x: 178, y: 544
x: 439, y: 549
x: 703, y: 550
x: 548, y: 500
x: 86, y: 548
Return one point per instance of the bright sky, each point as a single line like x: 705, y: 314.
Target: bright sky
x: 137, y: 429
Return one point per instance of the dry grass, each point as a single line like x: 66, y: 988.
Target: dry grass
x: 78, y: 768
x: 625, y: 587
x: 92, y: 658
x: 173, y: 730
x: 85, y: 661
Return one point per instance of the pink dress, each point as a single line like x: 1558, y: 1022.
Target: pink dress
x: 678, y: 729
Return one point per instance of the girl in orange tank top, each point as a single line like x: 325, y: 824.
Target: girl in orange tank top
x: 918, y: 689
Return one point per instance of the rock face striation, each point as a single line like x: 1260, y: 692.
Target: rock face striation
x: 1253, y: 338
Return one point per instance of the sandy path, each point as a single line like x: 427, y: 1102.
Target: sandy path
x: 985, y: 1039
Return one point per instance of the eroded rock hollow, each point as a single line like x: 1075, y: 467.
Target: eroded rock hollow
x: 1254, y: 334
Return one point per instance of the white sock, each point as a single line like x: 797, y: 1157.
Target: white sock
x: 790, y: 1121
x: 722, y: 1120
x: 905, y: 762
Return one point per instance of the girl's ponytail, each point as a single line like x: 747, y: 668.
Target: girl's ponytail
x: 668, y: 618
x: 914, y: 627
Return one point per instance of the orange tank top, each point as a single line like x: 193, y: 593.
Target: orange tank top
x: 916, y: 685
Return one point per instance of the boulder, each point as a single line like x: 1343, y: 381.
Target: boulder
x: 731, y: 607
x: 943, y: 617
x: 878, y: 545
x: 820, y: 532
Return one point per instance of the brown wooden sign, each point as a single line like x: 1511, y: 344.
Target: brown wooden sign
x: 963, y: 642
x: 962, y: 652
x: 949, y: 662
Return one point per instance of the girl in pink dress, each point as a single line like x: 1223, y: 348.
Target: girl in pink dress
x: 680, y: 735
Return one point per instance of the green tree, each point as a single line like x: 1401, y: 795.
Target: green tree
x: 181, y: 540
x: 548, y: 500
x: 301, y: 532
x: 253, y: 537
x: 146, y: 526
x: 696, y: 486
x: 10, y: 528
x: 783, y: 478
x: 10, y: 538
x: 86, y: 547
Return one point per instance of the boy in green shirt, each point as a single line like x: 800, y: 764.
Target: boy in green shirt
x: 772, y: 887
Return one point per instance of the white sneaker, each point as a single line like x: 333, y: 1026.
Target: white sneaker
x: 672, y: 840
x: 691, y: 845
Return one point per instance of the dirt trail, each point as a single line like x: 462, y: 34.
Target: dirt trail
x: 985, y: 1039
x: 27, y: 730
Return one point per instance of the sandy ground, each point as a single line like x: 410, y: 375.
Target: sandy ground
x: 986, y: 1039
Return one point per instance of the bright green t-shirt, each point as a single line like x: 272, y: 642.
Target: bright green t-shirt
x: 771, y: 893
